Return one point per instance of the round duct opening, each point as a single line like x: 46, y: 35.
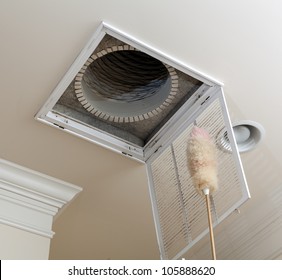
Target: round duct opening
x: 123, y: 84
x: 248, y: 135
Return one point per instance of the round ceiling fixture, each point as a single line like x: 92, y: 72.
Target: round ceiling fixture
x: 248, y: 134
x: 122, y: 84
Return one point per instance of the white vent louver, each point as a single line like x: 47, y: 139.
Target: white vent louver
x: 180, y: 212
x: 133, y: 99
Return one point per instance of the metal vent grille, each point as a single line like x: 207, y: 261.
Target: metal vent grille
x: 180, y: 212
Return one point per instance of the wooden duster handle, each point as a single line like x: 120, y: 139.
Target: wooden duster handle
x: 210, y: 226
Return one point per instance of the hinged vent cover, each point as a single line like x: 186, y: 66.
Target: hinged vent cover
x: 121, y: 93
x: 180, y: 212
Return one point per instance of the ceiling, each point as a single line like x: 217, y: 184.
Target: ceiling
x: 233, y: 42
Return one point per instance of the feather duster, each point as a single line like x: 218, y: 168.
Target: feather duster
x: 202, y: 160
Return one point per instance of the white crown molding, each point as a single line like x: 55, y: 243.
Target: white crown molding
x: 29, y: 200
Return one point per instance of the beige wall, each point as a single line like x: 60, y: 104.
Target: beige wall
x: 19, y: 244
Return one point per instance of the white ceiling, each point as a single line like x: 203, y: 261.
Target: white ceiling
x: 236, y: 42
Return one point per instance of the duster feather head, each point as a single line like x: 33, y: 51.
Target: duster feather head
x: 202, y: 160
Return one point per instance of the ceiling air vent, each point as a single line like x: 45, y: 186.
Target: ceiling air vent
x: 131, y: 98
x: 122, y: 94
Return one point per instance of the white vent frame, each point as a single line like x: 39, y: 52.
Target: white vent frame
x: 99, y: 137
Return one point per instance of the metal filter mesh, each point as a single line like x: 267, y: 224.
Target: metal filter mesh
x: 181, y: 217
